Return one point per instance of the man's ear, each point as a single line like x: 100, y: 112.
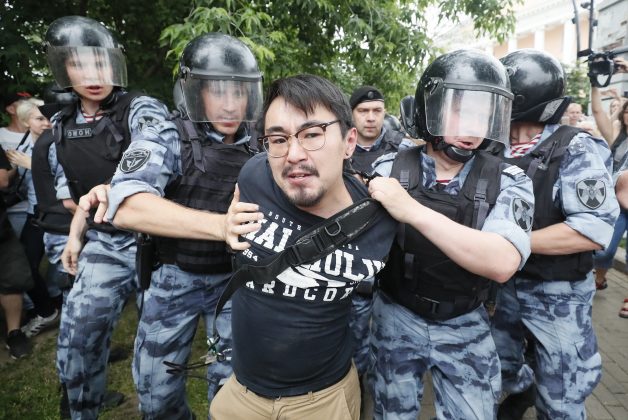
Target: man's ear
x: 351, y: 139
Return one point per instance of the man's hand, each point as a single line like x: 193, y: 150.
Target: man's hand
x: 96, y: 197
x: 622, y: 64
x: 242, y: 218
x: 393, y: 197
x: 70, y: 255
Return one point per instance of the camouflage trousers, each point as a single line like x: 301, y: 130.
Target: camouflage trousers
x: 105, y: 280
x: 567, y: 363
x: 459, y: 353
x: 172, y: 307
x: 359, y: 323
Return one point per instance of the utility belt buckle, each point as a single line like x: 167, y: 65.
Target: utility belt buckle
x: 434, y: 304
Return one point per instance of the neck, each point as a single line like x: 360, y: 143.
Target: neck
x: 332, y: 203
x: 367, y: 142
x: 522, y: 133
x: 446, y: 168
x: 90, y: 107
x: 16, y: 126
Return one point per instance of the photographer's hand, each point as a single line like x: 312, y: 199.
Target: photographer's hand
x: 622, y: 65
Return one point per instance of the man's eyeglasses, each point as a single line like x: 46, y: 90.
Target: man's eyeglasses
x: 310, y: 138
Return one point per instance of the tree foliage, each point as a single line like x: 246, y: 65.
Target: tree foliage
x: 352, y: 42
x: 577, y: 83
x: 137, y: 24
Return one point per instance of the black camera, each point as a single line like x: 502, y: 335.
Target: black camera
x: 601, y: 64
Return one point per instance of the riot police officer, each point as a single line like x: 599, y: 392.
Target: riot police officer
x: 550, y: 298
x: 176, y: 185
x: 460, y: 231
x: 90, y: 136
x: 374, y: 137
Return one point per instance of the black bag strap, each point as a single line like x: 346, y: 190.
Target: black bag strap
x: 319, y: 241
x: 19, y: 183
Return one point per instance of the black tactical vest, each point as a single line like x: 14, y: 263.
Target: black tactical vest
x: 210, y: 171
x: 89, y: 153
x: 362, y: 159
x: 542, y: 166
x: 418, y: 274
x: 53, y: 217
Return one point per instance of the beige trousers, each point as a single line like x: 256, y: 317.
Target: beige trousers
x: 340, y: 401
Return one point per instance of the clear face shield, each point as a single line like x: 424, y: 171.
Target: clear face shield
x: 87, y: 66
x: 459, y: 110
x: 222, y: 102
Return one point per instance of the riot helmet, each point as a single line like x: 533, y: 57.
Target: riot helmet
x: 392, y: 123
x: 221, y: 81
x: 177, y: 97
x: 464, y: 93
x: 55, y: 99
x: 537, y: 81
x: 82, y: 52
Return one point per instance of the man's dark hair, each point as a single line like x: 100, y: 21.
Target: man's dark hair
x: 305, y: 92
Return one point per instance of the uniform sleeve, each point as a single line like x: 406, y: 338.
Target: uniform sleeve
x: 383, y: 164
x: 151, y: 161
x: 61, y: 182
x: 406, y: 143
x: 586, y: 190
x: 511, y: 217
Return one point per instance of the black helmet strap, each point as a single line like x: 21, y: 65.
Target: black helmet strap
x: 452, y: 152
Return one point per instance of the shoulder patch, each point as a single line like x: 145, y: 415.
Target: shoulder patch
x: 577, y: 146
x: 522, y: 212
x: 147, y: 121
x: 132, y: 160
x: 591, y: 192
x: 513, y: 171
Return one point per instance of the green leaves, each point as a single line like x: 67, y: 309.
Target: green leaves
x: 353, y: 42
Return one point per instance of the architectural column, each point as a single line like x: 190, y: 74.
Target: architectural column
x: 569, y: 42
x: 512, y: 44
x: 539, y: 39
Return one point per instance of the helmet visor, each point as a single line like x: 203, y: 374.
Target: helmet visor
x: 452, y: 111
x: 222, y: 102
x: 87, y: 66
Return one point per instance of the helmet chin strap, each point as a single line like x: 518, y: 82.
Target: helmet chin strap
x: 454, y: 153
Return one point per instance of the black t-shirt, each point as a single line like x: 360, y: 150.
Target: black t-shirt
x: 4, y: 223
x: 291, y: 336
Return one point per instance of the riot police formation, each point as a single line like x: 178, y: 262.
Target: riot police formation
x: 457, y: 206
x: 463, y: 196
x: 550, y: 298
x: 172, y: 182
x: 89, y: 137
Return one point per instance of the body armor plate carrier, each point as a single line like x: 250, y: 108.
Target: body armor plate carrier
x: 90, y: 152
x: 362, y: 159
x: 210, y: 171
x: 420, y: 276
x: 542, y: 166
x: 53, y: 217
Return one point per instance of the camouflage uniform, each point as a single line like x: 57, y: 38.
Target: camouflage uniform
x: 54, y: 243
x: 176, y: 298
x: 105, y: 280
x: 459, y: 352
x: 558, y: 313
